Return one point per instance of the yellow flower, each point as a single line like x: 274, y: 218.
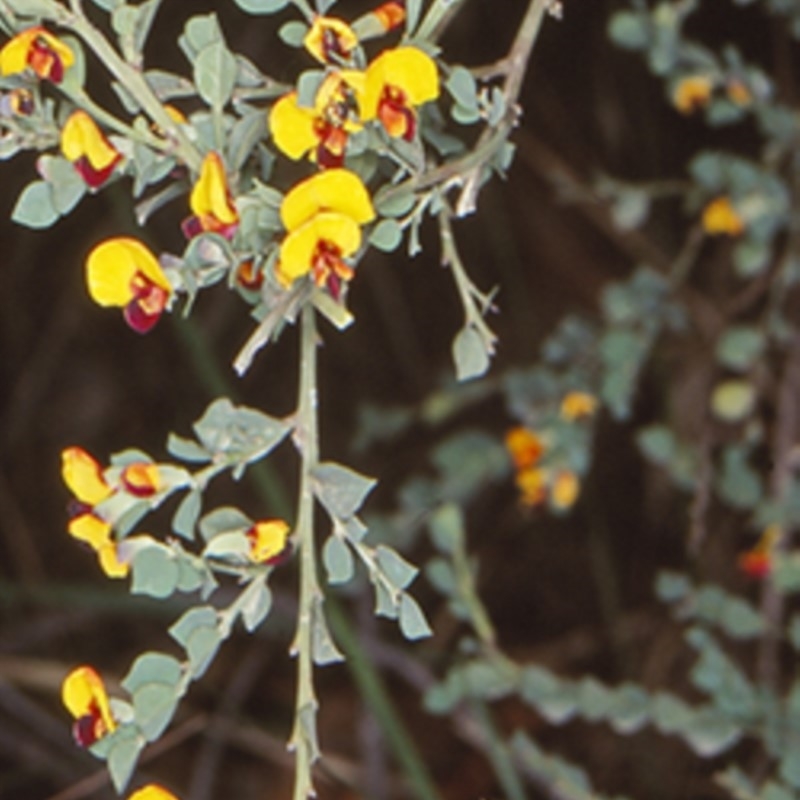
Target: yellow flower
x: 211, y: 201
x: 398, y: 81
x: 576, y: 405
x: 565, y: 489
x: 18, y: 102
x: 38, y: 49
x: 692, y: 93
x: 122, y: 272
x: 268, y: 541
x: 84, y: 696
x: 152, y: 792
x: 83, y: 475
x: 524, y: 446
x: 85, y: 145
x: 323, y: 215
x: 330, y: 40
x: 720, y: 218
x: 321, y: 131
x: 532, y: 485
x: 141, y: 479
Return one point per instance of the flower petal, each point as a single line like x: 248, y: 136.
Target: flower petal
x: 408, y: 69
x: 141, y: 479
x: 83, y: 692
x: 293, y: 127
x: 112, y: 267
x: 85, y: 145
x: 300, y: 246
x: 210, y: 199
x: 110, y: 563
x: 337, y: 190
x: 152, y: 792
x: 91, y: 529
x: 83, y: 476
x: 329, y: 39
x: 268, y: 540
x: 38, y: 49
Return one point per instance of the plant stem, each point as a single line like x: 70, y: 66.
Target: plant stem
x: 131, y: 79
x: 303, y: 739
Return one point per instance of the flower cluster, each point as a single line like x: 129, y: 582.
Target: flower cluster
x: 758, y: 561
x: 694, y: 92
x: 538, y: 477
x: 85, y: 478
x: 720, y: 218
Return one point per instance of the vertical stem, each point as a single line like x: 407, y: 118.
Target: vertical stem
x: 303, y: 739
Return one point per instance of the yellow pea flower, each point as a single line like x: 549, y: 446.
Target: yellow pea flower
x: 152, y: 792
x: 323, y: 215
x: 322, y: 131
x: 38, y: 49
x: 84, y: 695
x: 268, y: 541
x: 524, y: 446
x: 85, y: 145
x: 692, y: 93
x: 398, y: 81
x: 330, y: 40
x: 576, y: 405
x: 122, y: 272
x: 211, y: 201
x: 720, y: 218
x: 565, y: 489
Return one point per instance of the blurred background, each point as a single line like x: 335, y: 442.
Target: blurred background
x: 572, y: 593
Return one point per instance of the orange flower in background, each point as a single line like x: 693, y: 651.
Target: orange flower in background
x: 211, y: 202
x: 565, y: 489
x: 268, y: 541
x: 524, y: 446
x: 17, y: 103
x: 576, y: 405
x: 738, y: 93
x: 532, y: 485
x: 141, y: 479
x: 85, y: 145
x: 322, y: 131
x: 152, y: 792
x: 720, y: 218
x: 249, y: 276
x: 123, y: 273
x: 84, y: 696
x: 757, y: 562
x: 398, y: 81
x: 323, y: 215
x: 692, y: 93
x: 38, y: 49
x: 330, y: 40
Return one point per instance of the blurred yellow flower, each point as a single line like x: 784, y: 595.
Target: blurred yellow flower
x: 692, y: 93
x: 211, y: 202
x: 577, y: 404
x: 720, y: 218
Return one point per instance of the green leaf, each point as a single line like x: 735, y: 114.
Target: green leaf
x: 201, y: 647
x: 628, y: 710
x: 199, y: 32
x: 387, y: 236
x: 35, y: 207
x: 463, y: 89
x: 154, y: 706
x: 187, y: 450
x: 192, y: 618
x: 66, y: 185
x: 672, y: 586
x: 155, y: 571
x: 470, y: 354
x: 630, y: 30
x: 711, y: 733
x: 323, y: 649
x: 738, y: 484
x: 231, y: 546
x: 215, y: 74
x: 657, y: 443
x: 338, y: 560
x: 412, y: 619
x: 740, y: 347
x: 262, y: 6
x: 293, y: 33
x: 123, y: 755
x: 257, y: 606
x: 308, y: 85
x: 340, y: 489
x: 398, y: 571
x: 152, y: 667
x: 554, y: 699
x: 186, y: 514
x: 413, y: 9
x: 224, y: 520
x: 393, y: 203
x: 733, y: 401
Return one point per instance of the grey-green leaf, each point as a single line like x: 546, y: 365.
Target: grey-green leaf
x: 215, y: 74
x: 338, y: 560
x: 412, y: 619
